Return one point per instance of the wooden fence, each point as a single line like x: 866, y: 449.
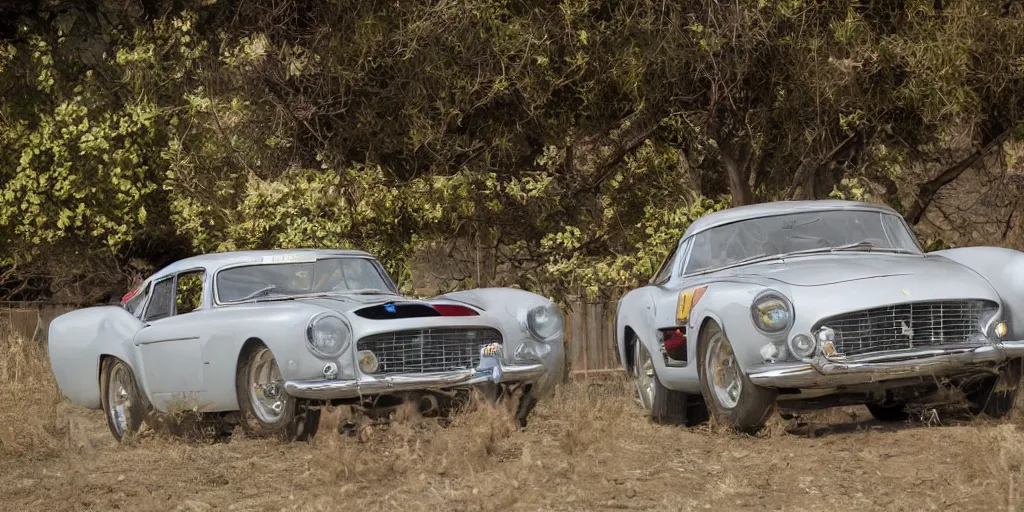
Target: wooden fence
x: 590, y: 338
x: 589, y: 326
x: 30, y: 319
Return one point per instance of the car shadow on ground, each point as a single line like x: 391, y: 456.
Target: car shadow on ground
x: 855, y: 420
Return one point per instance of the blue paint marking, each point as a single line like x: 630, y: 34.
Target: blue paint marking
x: 389, y: 307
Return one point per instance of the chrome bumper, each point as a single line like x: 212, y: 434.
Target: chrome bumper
x: 369, y: 385
x: 827, y: 373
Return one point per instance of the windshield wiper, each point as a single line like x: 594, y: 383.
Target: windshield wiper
x: 365, y: 291
x: 258, y: 293
x: 752, y: 258
x: 863, y: 244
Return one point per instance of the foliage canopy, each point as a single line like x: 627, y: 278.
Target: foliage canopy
x: 556, y: 146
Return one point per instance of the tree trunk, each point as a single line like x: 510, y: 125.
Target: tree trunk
x: 736, y: 159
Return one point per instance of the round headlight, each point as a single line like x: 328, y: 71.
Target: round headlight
x: 771, y: 313
x: 544, y: 321
x: 802, y: 345
x: 368, y: 362
x: 1001, y: 329
x: 327, y: 335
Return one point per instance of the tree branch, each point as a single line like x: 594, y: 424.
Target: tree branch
x: 929, y: 189
x: 804, y: 172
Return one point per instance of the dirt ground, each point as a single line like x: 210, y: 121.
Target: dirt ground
x: 588, y: 448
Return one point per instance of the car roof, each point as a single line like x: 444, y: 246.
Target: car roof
x: 774, y: 208
x: 213, y: 261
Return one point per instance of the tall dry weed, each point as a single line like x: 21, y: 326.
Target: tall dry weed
x: 30, y: 419
x: 409, y: 443
x: 589, y: 413
x: 1003, y: 450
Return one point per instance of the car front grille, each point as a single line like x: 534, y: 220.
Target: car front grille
x: 907, y: 326
x: 428, y: 350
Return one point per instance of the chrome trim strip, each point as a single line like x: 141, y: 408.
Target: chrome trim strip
x: 822, y: 373
x: 334, y: 389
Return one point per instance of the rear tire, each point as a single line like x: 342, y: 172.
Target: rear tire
x: 663, y: 405
x: 998, y: 394
x: 730, y: 396
x: 122, y: 401
x: 266, y: 409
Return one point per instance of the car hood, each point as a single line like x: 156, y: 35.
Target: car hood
x: 827, y: 269
x: 352, y: 303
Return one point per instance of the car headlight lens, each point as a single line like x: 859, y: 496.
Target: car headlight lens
x: 802, y: 345
x: 368, y: 362
x: 327, y: 335
x: 1001, y: 329
x: 992, y: 328
x: 771, y: 313
x: 544, y: 321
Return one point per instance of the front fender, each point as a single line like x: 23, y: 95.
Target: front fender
x: 77, y: 340
x: 635, y: 312
x: 508, y: 307
x: 1004, y: 270
x: 728, y: 305
x: 281, y: 327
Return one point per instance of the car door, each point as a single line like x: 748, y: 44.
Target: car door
x: 171, y: 341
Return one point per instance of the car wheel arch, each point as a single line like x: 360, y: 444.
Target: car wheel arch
x: 140, y: 380
x: 250, y: 344
x: 707, y: 319
x: 630, y: 338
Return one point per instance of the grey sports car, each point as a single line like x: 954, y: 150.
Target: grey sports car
x: 264, y: 338
x: 810, y: 304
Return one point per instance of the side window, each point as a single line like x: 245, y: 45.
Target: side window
x: 134, y: 304
x: 160, y: 306
x: 188, y: 295
x: 665, y: 271
x: 684, y: 252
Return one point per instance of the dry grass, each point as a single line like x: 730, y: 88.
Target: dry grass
x: 30, y: 421
x: 587, y: 448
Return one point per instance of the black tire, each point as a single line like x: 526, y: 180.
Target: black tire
x: 527, y: 402
x: 754, y: 404
x: 998, y: 394
x: 134, y: 408
x: 667, y: 406
x: 890, y: 413
x: 297, y: 421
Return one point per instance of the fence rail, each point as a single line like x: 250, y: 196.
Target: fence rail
x: 589, y: 331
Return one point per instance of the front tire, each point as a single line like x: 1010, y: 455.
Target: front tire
x: 998, y: 394
x: 889, y: 413
x: 266, y: 409
x: 122, y: 402
x: 665, y: 406
x: 732, y: 399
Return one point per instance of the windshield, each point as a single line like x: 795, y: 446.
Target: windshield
x: 799, y: 232
x: 338, y: 275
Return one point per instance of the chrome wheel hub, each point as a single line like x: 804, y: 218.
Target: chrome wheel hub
x: 723, y: 371
x: 119, y: 398
x: 644, y: 375
x: 267, y: 397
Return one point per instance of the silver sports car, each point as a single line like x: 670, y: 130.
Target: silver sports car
x: 811, y: 304
x: 263, y: 338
